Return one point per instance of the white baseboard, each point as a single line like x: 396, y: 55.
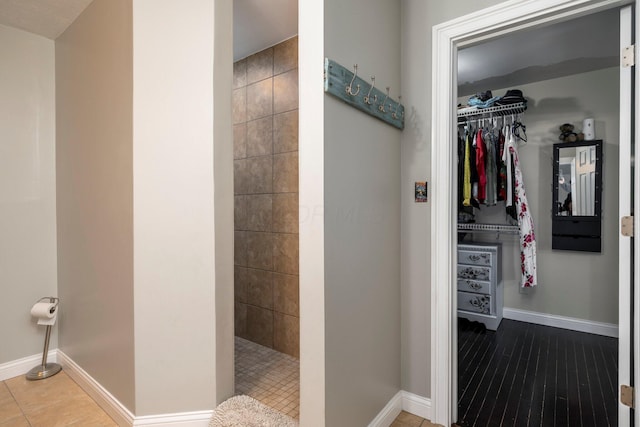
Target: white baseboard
x: 571, y: 323
x: 19, y: 367
x: 416, y: 405
x: 389, y: 412
x: 402, y: 401
x: 120, y: 414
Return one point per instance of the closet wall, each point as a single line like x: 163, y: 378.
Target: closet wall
x: 580, y: 285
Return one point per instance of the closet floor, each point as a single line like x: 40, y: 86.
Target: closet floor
x: 532, y: 375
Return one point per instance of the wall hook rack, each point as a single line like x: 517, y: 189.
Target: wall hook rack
x: 338, y: 81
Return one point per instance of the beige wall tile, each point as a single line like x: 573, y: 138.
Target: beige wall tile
x: 260, y: 288
x: 240, y: 320
x: 285, y: 173
x: 241, y: 178
x: 286, y: 334
x: 259, y: 212
x: 240, y: 255
x: 260, y: 250
x: 240, y: 283
x: 286, y: 294
x: 260, y: 66
x: 240, y: 141
x: 259, y: 99
x: 260, y: 325
x: 260, y: 137
x: 240, y: 213
x: 285, y: 253
x: 239, y: 103
x: 285, y: 91
x: 285, y: 55
x: 285, y: 132
x: 240, y: 73
x: 285, y: 213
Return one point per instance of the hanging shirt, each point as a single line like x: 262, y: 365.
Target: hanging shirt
x: 529, y: 276
x: 480, y: 165
x: 491, y: 169
x: 466, y: 186
x: 501, y: 177
x: 506, y: 158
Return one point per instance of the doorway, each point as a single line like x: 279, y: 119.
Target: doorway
x: 266, y: 272
x: 448, y: 36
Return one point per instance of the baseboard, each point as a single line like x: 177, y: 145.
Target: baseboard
x: 402, y: 401
x: 120, y: 414
x: 112, y: 406
x: 416, y: 405
x: 389, y: 412
x: 19, y: 367
x: 571, y: 323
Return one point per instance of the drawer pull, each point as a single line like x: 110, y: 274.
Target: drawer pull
x: 481, y: 304
x: 474, y: 285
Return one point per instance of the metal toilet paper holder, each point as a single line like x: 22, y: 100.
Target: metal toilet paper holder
x: 45, y: 370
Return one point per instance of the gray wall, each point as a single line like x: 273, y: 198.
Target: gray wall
x: 94, y: 162
x: 27, y: 189
x: 574, y: 284
x: 361, y: 220
x: 418, y: 17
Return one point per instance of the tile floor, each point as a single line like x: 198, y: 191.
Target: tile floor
x: 406, y: 419
x: 53, y: 402
x: 268, y: 376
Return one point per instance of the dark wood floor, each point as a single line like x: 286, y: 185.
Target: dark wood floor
x: 531, y: 375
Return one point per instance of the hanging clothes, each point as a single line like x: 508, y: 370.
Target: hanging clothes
x: 466, y: 191
x: 528, y: 251
x: 491, y: 169
x: 480, y: 166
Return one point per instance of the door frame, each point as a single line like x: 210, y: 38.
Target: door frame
x: 504, y: 18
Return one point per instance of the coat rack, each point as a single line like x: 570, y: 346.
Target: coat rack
x: 348, y: 87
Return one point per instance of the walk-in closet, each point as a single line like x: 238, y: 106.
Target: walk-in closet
x: 537, y: 235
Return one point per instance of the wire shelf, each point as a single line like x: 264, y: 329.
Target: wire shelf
x: 500, y: 110
x: 490, y: 228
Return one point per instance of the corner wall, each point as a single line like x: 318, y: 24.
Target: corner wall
x: 361, y: 219
x: 28, y: 269
x: 94, y: 161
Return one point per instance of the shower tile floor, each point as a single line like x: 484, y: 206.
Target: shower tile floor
x: 268, y: 376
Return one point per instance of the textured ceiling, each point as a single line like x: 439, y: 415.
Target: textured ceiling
x: 48, y: 18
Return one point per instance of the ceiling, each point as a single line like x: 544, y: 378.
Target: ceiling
x: 584, y: 44
x: 258, y: 24
x: 48, y: 18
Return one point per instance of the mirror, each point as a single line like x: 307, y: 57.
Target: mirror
x: 577, y: 195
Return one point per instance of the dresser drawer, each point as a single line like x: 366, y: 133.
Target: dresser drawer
x: 476, y: 286
x: 474, y: 272
x: 475, y: 303
x: 475, y: 258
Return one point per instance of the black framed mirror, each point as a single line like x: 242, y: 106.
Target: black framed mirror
x: 577, y: 196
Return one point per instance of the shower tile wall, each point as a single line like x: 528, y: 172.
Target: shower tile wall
x: 265, y: 133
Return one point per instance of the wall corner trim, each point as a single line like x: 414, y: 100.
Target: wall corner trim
x: 571, y: 323
x: 402, y: 401
x: 120, y: 414
x: 21, y: 366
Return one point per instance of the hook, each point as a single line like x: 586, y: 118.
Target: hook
x: 367, y: 98
x: 381, y: 106
x: 349, y: 88
x: 395, y: 113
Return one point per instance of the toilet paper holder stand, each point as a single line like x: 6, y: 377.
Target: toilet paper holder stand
x: 45, y: 370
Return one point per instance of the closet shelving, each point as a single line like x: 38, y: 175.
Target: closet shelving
x: 499, y: 110
x: 489, y: 112
x: 473, y: 227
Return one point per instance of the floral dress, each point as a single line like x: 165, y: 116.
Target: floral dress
x: 525, y: 221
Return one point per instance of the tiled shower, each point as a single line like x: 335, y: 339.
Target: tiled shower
x: 265, y: 118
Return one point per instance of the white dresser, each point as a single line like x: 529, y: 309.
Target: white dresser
x: 479, y: 281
